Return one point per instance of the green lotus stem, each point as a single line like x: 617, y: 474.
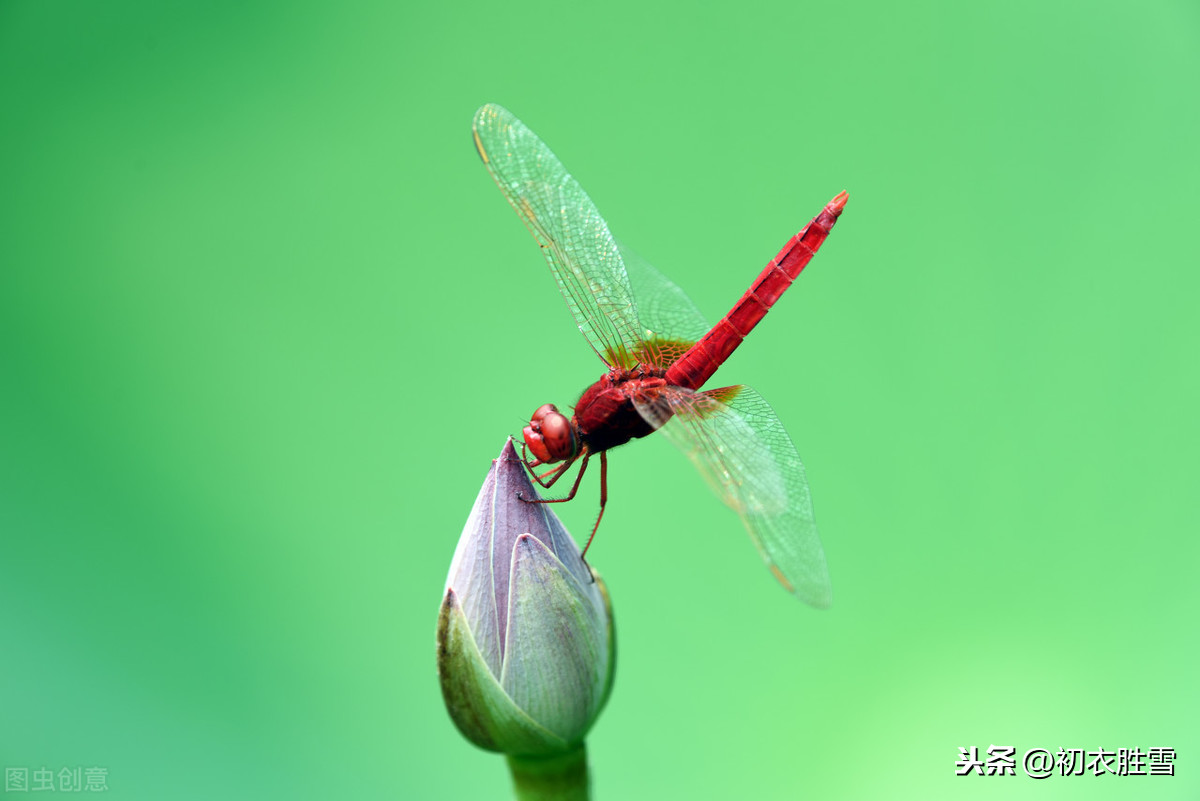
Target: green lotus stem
x: 558, y: 778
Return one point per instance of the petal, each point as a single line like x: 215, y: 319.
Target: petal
x: 556, y: 664
x: 480, y: 708
x: 513, y: 517
x: 471, y: 575
x: 611, y: 634
x: 482, y: 566
x: 537, y: 519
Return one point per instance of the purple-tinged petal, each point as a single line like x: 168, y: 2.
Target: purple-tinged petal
x: 556, y: 660
x: 480, y: 708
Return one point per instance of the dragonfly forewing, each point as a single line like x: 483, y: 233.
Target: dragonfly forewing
x: 573, y: 236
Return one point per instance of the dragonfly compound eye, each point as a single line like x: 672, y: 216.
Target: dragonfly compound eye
x: 558, y: 436
x: 550, y: 435
x: 533, y: 441
x: 542, y: 411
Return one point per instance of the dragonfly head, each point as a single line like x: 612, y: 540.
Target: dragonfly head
x: 550, y: 435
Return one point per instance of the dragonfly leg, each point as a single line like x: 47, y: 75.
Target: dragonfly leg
x: 530, y: 463
x: 603, y: 500
x: 554, y: 473
x: 574, y: 487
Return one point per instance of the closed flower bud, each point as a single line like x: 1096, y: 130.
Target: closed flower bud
x: 525, y: 640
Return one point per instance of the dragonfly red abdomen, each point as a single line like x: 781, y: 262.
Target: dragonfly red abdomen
x: 699, y: 363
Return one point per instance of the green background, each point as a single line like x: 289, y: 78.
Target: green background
x: 265, y: 319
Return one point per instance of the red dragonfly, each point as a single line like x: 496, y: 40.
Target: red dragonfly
x: 658, y: 352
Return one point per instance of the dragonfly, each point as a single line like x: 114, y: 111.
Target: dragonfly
x: 658, y: 352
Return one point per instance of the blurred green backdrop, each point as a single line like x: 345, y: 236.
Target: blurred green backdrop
x: 264, y: 320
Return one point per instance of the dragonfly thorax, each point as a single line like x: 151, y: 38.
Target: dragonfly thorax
x: 550, y: 435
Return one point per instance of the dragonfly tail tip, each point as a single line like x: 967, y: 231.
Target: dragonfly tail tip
x: 838, y: 203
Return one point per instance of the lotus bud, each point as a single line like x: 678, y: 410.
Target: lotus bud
x: 525, y: 639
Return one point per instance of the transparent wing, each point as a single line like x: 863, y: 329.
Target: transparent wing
x: 671, y: 323
x: 664, y: 308
x: 738, y: 444
x: 569, y: 229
